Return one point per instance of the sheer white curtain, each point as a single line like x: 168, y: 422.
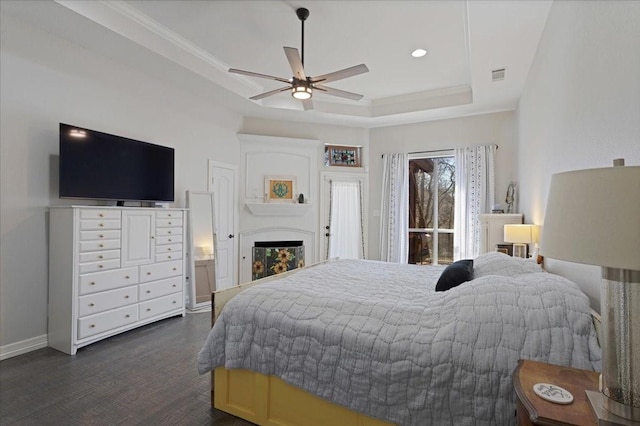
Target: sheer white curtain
x: 394, y: 211
x: 345, y: 223
x: 475, y: 189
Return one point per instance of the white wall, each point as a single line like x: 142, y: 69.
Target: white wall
x: 498, y: 128
x: 581, y: 105
x: 45, y: 80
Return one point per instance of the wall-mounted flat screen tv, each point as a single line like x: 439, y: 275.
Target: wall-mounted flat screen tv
x: 96, y: 165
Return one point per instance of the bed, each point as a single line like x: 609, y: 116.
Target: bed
x: 373, y: 343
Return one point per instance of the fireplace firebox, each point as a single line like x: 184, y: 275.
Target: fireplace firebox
x: 276, y: 257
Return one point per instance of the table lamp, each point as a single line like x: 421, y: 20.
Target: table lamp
x: 593, y: 217
x: 520, y: 236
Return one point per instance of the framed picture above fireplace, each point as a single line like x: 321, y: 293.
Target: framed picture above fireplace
x: 280, y: 189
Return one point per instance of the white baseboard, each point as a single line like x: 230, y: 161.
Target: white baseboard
x: 22, y: 347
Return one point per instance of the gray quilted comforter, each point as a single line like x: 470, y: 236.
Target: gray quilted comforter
x: 375, y: 337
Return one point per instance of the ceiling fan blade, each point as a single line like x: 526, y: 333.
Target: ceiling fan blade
x: 339, y: 75
x: 293, y: 56
x: 307, y: 104
x: 272, y: 92
x: 338, y: 92
x: 255, y: 74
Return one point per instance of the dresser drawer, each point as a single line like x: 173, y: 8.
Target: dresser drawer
x: 99, y: 214
x: 165, y: 257
x: 99, y: 224
x: 99, y: 245
x: 106, y: 300
x: 160, y: 271
x: 159, y: 288
x: 101, y: 281
x: 105, y: 321
x: 169, y: 248
x: 169, y: 231
x: 169, y: 215
x: 99, y: 256
x: 159, y: 306
x: 167, y: 223
x: 86, y: 268
x: 100, y: 235
x: 168, y: 239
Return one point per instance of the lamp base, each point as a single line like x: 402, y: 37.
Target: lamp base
x: 605, y: 418
x: 520, y: 250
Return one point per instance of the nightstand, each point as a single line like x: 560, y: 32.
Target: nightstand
x: 533, y: 410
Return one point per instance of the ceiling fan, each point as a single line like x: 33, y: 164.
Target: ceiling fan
x: 301, y: 85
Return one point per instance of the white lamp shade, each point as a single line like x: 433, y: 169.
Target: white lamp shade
x: 524, y: 234
x: 593, y: 217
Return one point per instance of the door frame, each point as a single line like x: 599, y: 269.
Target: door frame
x: 211, y: 164
x: 323, y: 220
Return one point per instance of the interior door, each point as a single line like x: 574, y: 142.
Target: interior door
x: 327, y: 234
x: 222, y: 182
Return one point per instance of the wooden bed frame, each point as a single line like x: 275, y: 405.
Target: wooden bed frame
x: 268, y: 400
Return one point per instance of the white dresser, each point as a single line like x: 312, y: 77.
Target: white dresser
x: 492, y: 229
x: 112, y: 269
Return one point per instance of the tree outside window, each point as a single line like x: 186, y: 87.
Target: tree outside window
x: 431, y: 209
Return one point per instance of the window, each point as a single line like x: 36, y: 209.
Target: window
x: 431, y: 208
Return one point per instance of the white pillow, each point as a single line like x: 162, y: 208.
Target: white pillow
x: 496, y: 263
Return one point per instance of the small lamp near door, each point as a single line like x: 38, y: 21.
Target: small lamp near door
x: 593, y: 217
x: 520, y: 236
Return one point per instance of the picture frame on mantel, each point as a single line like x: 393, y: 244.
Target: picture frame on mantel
x: 280, y: 189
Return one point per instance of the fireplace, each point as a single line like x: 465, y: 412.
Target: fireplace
x: 276, y: 257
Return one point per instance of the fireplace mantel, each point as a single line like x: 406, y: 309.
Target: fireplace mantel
x: 278, y: 209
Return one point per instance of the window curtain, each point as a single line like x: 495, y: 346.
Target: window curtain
x: 475, y: 194
x: 394, y: 211
x: 346, y: 239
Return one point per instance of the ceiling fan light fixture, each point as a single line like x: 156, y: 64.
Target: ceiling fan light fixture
x: 301, y: 92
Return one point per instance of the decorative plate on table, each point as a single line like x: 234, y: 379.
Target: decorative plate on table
x: 553, y: 393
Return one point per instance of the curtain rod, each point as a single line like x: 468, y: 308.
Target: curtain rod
x: 434, y: 150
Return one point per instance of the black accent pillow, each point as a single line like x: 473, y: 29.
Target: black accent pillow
x: 455, y: 274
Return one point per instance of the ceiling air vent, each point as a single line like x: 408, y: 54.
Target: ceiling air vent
x: 497, y: 75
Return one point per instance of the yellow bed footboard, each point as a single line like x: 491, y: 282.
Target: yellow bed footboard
x: 267, y: 400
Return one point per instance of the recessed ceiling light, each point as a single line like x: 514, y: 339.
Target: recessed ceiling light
x: 418, y: 53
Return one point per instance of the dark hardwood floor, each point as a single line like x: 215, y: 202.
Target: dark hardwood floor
x: 146, y: 376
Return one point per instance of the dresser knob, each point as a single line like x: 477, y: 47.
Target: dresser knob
x: 148, y: 273
x: 92, y: 283
x: 169, y: 232
x: 92, y: 304
x: 169, y: 223
x: 100, y: 266
x: 174, y: 302
x: 126, y: 297
x: 92, y: 326
x: 126, y: 277
x: 169, y: 257
x: 101, y: 245
x: 175, y: 269
x: 100, y: 236
x: 101, y: 257
x: 148, y: 291
x: 101, y: 215
x: 127, y: 316
x: 169, y: 249
x: 148, y: 309
x: 174, y: 285
x: 101, y: 225
x: 170, y: 240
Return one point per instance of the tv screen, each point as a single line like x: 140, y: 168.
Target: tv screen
x: 98, y: 165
